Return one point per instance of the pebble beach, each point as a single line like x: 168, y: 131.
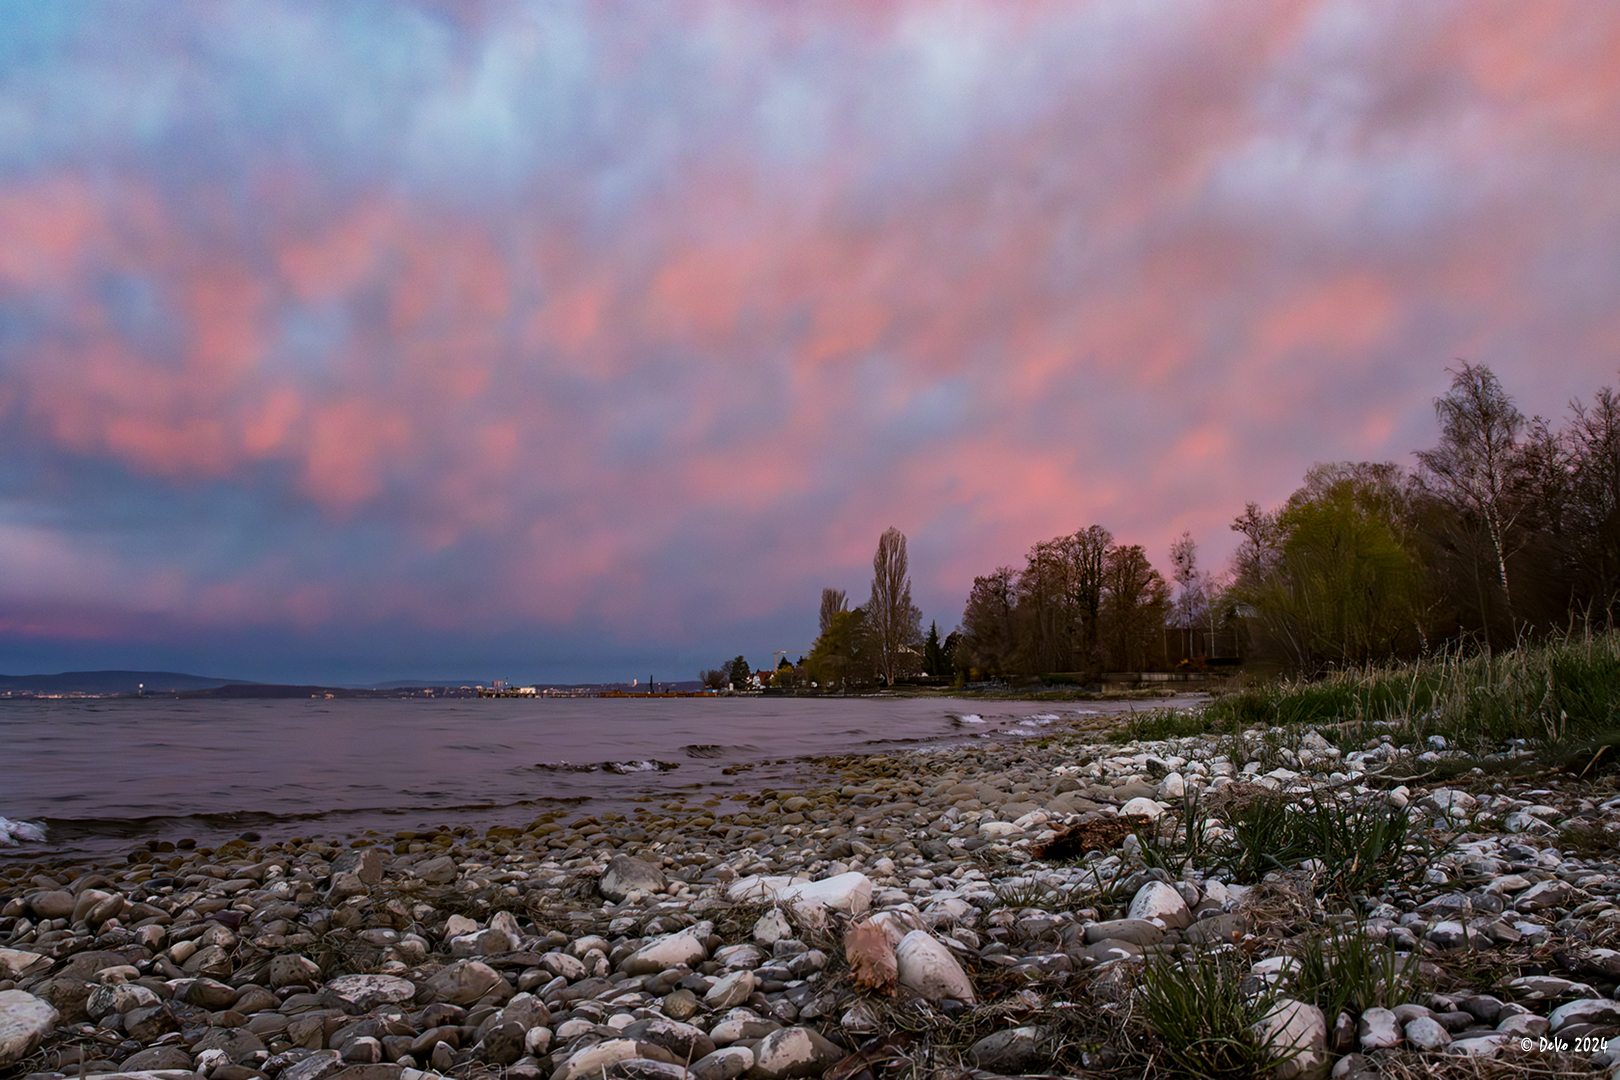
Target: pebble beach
x: 951, y: 912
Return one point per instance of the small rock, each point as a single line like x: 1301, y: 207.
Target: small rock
x: 625, y: 875
x: 1585, y: 1011
x: 356, y: 994
x: 672, y: 950
x: 730, y: 991
x: 1017, y: 1050
x: 366, y: 864
x: 437, y: 871
x: 1161, y: 902
x: 461, y: 983
x: 727, y: 1063
x: 1377, y: 1029
x: 1426, y: 1033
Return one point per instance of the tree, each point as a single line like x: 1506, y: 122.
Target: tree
x: 1332, y: 577
x: 1476, y: 470
x: 713, y: 679
x: 1059, y: 601
x: 986, y: 644
x: 937, y: 655
x: 840, y: 656
x: 1594, y: 447
x: 1135, y: 602
x: 1192, y: 601
x: 832, y: 602
x: 893, y: 621
x: 738, y: 673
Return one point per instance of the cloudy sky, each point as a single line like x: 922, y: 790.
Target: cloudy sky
x: 554, y: 340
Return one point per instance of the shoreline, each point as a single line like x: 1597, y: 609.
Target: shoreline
x: 237, y: 949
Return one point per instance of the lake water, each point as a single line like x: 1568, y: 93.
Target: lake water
x: 103, y: 774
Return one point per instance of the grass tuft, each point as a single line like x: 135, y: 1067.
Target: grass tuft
x: 1204, y: 1020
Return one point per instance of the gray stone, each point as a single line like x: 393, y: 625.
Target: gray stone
x: 1016, y: 1050
x: 317, y: 1066
x: 727, y: 1063
x: 290, y: 969
x: 1426, y: 1033
x: 1109, y: 949
x: 239, y: 1044
x: 792, y: 1052
x: 16, y: 963
x: 50, y: 904
x: 159, y: 1058
x: 437, y: 871
x: 1489, y: 1045
x: 367, y: 864
x: 501, y: 1044
x: 644, y: 1069
x: 1135, y: 931
x: 461, y: 983
x: 625, y: 875
x: 24, y: 1021
x: 731, y: 991
x: 1217, y: 929
x: 1547, y: 987
x: 120, y: 998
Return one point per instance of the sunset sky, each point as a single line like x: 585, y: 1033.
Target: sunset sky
x: 589, y: 340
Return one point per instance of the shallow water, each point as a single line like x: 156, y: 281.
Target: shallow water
x: 103, y: 774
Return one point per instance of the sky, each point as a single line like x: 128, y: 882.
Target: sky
x: 590, y: 340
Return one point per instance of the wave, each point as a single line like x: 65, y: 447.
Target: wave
x: 965, y: 718
x: 621, y: 767
x: 714, y: 750
x: 14, y: 832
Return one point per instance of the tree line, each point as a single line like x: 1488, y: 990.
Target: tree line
x: 1507, y: 528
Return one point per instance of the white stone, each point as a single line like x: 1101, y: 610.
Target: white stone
x: 563, y: 965
x: 24, y: 1021
x: 999, y: 830
x: 1161, y: 905
x: 1172, y: 787
x: 1141, y: 807
x: 671, y: 950
x: 772, y: 927
x: 927, y: 967
x: 1377, y: 1029
x: 1485, y: 1046
x: 1296, y: 1026
x: 849, y: 893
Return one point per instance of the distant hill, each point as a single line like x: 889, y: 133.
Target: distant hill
x: 109, y: 682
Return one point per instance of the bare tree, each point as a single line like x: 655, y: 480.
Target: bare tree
x: 1190, y: 601
x: 893, y: 621
x: 988, y: 635
x: 1475, y: 468
x: 833, y: 601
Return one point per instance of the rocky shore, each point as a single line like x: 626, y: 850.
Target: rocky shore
x: 993, y: 910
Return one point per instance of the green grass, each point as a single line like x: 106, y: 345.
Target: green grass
x: 1204, y: 1021
x: 1363, y: 846
x: 1345, y: 970
x: 1561, y: 698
